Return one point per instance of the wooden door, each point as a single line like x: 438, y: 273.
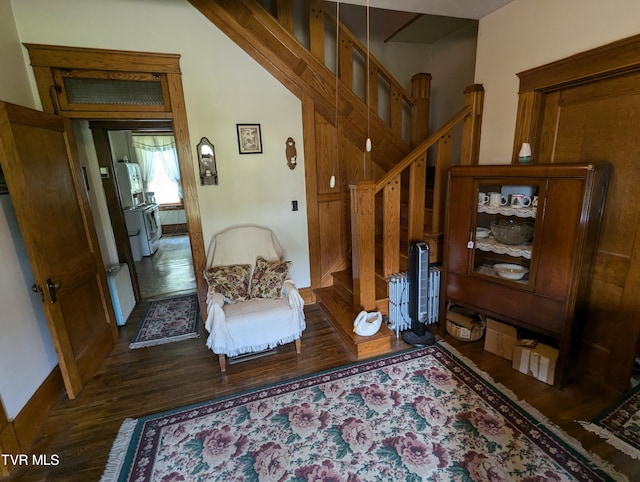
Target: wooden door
x: 582, y: 108
x: 598, y: 121
x: 47, y: 187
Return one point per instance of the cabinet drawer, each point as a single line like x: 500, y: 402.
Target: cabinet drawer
x: 521, y: 307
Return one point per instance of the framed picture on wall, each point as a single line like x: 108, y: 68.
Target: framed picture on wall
x: 249, y: 138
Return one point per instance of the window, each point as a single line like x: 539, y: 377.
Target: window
x: 158, y: 161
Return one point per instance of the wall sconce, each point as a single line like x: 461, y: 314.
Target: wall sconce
x: 207, y: 163
x: 291, y: 153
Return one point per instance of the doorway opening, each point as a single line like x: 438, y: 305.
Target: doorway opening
x: 67, y: 78
x: 150, y: 198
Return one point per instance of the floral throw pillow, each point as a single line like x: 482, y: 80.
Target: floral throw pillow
x: 268, y: 278
x: 231, y: 281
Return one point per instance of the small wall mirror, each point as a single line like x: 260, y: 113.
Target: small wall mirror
x: 207, y: 162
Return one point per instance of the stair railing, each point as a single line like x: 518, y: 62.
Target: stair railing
x: 407, y: 115
x: 363, y: 195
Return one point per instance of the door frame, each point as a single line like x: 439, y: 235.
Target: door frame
x: 46, y: 59
x: 615, y: 59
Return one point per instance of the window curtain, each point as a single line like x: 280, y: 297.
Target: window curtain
x: 148, y: 148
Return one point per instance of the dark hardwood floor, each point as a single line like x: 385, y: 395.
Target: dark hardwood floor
x: 135, y: 383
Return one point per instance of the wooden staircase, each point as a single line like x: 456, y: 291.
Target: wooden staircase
x: 337, y: 300
x: 337, y: 303
x: 359, y: 230
x: 410, y: 172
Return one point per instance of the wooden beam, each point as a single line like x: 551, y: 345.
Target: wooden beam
x: 363, y: 244
x: 391, y: 227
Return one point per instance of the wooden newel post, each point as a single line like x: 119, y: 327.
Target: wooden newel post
x: 421, y: 92
x: 470, y: 149
x: 363, y: 254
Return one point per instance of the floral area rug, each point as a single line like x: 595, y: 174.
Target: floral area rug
x: 168, y: 320
x: 620, y: 424
x: 417, y: 415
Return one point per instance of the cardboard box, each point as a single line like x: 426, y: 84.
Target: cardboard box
x: 500, y: 338
x: 463, y: 324
x: 538, y: 361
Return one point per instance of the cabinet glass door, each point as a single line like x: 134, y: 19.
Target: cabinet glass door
x: 503, y: 232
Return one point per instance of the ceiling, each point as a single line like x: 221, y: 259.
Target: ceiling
x: 471, y: 9
x: 419, y: 21
x: 428, y: 29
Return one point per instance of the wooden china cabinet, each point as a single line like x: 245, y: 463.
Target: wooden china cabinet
x: 549, y: 301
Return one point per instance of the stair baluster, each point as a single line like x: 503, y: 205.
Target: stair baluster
x: 363, y: 194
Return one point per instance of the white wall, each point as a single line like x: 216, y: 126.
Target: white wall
x: 27, y: 355
x: 452, y: 68
x: 450, y: 61
x: 222, y: 86
x: 525, y: 34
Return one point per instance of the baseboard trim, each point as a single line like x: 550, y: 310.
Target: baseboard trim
x: 36, y: 410
x: 8, y: 445
x: 307, y: 295
x: 168, y: 229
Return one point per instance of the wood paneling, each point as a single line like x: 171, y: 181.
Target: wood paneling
x: 331, y: 233
x: 584, y: 108
x: 590, y: 66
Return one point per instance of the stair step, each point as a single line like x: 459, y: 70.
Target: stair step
x: 342, y: 279
x: 335, y: 302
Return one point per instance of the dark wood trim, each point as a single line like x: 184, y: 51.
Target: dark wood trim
x: 8, y: 445
x: 307, y: 295
x: 4, y: 420
x: 35, y: 412
x: 170, y: 207
x: 16, y: 436
x: 96, y: 59
x: 179, y: 228
x: 608, y: 60
x: 141, y: 125
x: 45, y: 58
x: 8, y: 441
x: 311, y: 184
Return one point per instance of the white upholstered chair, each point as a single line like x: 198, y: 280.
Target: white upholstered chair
x: 266, y: 313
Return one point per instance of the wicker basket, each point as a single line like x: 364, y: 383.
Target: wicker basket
x: 465, y: 334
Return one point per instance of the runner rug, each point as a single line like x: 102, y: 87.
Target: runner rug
x: 422, y: 414
x: 168, y: 320
x: 620, y: 424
